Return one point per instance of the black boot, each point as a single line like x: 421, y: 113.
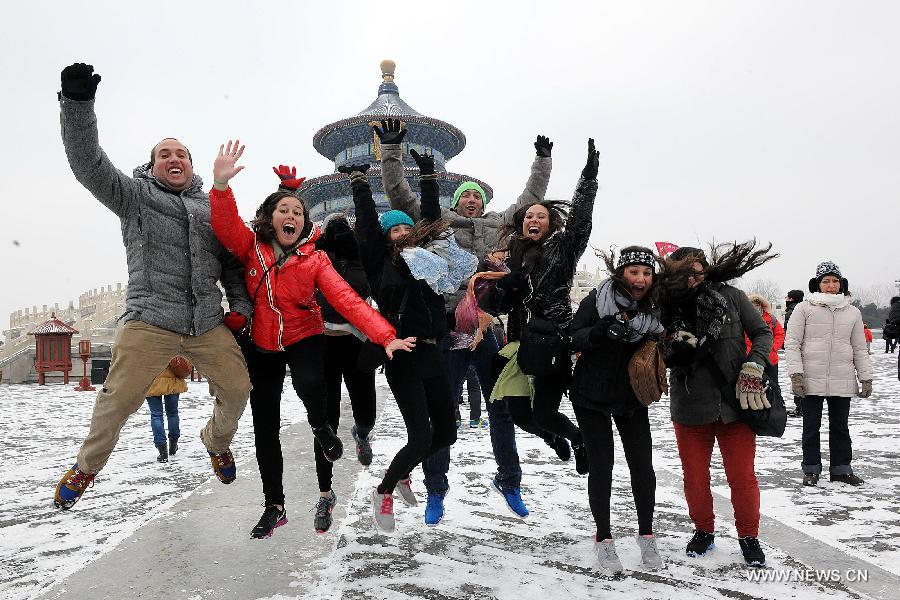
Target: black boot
x: 701, y: 543
x: 753, y: 553
x: 560, y: 445
x: 581, y: 459
x: 331, y: 443
x: 163, y: 453
x: 173, y: 446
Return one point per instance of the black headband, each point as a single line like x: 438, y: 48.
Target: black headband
x: 636, y: 257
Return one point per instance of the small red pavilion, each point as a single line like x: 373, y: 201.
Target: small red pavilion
x: 54, y: 348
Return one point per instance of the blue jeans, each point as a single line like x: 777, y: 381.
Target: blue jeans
x: 503, y: 431
x: 156, y: 417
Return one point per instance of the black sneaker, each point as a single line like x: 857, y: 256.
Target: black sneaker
x: 847, y: 478
x: 795, y: 413
x: 581, y: 459
x: 324, y: 506
x: 363, y: 447
x: 701, y: 543
x: 271, y: 518
x: 753, y: 553
x: 561, y: 446
x: 811, y: 479
x: 163, y: 453
x: 331, y: 443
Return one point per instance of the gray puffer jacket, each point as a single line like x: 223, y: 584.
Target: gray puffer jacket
x: 478, y: 235
x: 698, y: 395
x: 174, y: 259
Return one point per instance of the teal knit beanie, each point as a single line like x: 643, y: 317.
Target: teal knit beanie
x: 392, y: 218
x: 468, y: 185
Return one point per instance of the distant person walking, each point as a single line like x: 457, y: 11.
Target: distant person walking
x: 891, y: 330
x: 793, y: 298
x: 162, y: 400
x: 826, y: 355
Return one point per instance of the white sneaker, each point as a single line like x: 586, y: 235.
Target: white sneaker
x: 606, y: 554
x: 649, y: 554
x: 404, y: 488
x: 383, y: 511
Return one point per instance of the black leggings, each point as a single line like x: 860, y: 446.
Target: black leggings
x: 341, y: 352
x: 422, y: 392
x: 634, y: 430
x: 548, y: 393
x: 267, y: 373
x: 523, y: 417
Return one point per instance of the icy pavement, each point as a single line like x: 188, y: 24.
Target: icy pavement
x: 479, y: 551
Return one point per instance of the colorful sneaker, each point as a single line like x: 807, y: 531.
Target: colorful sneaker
x: 324, y: 507
x: 434, y: 510
x: 650, y: 557
x: 404, y: 488
x: 71, y: 487
x: 363, y: 447
x: 752, y: 551
x: 223, y: 466
x: 271, y: 518
x: 607, y: 557
x: 478, y: 423
x: 332, y: 447
x: 701, y: 543
x: 383, y: 511
x: 513, y: 499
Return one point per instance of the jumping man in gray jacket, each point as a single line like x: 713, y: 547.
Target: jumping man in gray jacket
x: 173, y: 306
x: 476, y: 232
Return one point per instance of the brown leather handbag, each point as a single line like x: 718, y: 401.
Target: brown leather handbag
x: 180, y: 367
x: 647, y: 373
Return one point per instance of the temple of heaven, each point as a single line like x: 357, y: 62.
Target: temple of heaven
x: 351, y: 140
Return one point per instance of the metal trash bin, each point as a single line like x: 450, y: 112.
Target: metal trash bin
x: 99, y: 370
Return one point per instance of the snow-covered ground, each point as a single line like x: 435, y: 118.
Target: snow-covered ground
x: 480, y: 550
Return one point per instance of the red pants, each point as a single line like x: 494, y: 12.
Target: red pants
x: 737, y: 443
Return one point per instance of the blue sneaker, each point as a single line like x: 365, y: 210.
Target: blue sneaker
x: 434, y: 510
x: 513, y: 499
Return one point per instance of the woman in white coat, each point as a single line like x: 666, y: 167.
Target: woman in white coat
x: 826, y: 355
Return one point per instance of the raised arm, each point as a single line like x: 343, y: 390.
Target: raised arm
x: 575, y: 237
x: 372, y: 246
x: 400, y: 195
x: 431, y: 195
x: 536, y: 186
x: 78, y: 124
x: 227, y: 224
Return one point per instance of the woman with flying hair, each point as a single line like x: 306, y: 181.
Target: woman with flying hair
x: 611, y: 324
x: 713, y: 378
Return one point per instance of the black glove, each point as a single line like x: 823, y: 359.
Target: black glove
x: 350, y: 168
x: 513, y: 282
x: 424, y: 161
x: 601, y: 329
x: 592, y: 167
x: 79, y: 82
x: 543, y: 146
x: 390, y: 132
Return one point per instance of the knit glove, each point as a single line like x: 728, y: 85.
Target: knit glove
x: 356, y: 173
x: 424, y: 162
x: 543, y: 146
x: 749, y: 388
x: 866, y: 389
x: 797, y: 385
x: 288, y: 177
x: 592, y: 167
x: 390, y: 132
x: 79, y: 82
x: 236, y: 322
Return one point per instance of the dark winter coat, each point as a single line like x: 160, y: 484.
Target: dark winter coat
x: 702, y: 393
x: 339, y: 242
x: 174, y: 260
x: 551, y: 277
x: 424, y: 315
x: 600, y: 380
x: 478, y: 235
x: 286, y: 309
x: 788, y: 311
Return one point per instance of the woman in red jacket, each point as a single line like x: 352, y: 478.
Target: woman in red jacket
x: 763, y: 306
x: 283, y: 272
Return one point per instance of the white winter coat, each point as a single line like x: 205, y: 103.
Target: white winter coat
x: 826, y: 343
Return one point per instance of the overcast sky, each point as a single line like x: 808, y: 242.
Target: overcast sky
x: 722, y: 120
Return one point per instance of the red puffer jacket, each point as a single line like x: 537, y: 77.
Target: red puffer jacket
x: 777, y: 333
x: 285, y: 309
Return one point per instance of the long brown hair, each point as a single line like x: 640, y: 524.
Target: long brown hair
x: 726, y: 261
x: 524, y: 252
x: 617, y: 274
x: 262, y: 222
x: 421, y: 234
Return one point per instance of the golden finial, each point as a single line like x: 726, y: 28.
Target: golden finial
x: 387, y: 70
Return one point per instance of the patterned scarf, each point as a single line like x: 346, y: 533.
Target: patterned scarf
x: 611, y: 301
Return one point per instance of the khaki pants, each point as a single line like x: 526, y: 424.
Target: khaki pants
x: 140, y: 353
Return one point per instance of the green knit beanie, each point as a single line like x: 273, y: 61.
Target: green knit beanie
x: 468, y: 185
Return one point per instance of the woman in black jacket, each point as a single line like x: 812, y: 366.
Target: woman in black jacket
x: 544, y: 244
x: 610, y: 325
x: 417, y: 379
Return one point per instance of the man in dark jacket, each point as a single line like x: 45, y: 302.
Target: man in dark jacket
x: 891, y: 331
x: 793, y: 298
x: 173, y: 306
